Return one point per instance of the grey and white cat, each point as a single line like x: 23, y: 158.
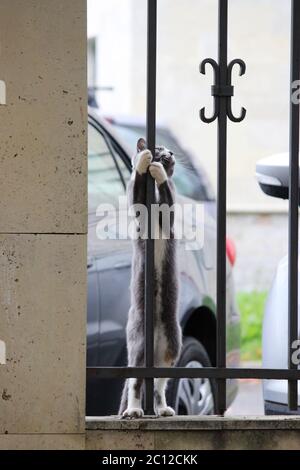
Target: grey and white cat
x: 167, y: 332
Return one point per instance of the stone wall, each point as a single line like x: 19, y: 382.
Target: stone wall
x: 195, y: 433
x: 43, y: 222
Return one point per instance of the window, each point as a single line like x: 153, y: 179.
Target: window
x: 105, y: 184
x: 125, y: 172
x: 91, y: 62
x: 189, y: 181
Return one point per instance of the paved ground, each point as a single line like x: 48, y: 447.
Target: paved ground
x: 249, y: 400
x: 261, y: 241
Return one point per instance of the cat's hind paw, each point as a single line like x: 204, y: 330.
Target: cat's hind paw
x: 165, y: 411
x: 133, y: 413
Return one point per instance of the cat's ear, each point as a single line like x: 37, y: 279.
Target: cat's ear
x: 141, y: 144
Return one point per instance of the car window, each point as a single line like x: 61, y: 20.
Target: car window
x: 104, y: 182
x: 123, y: 168
x: 188, y: 181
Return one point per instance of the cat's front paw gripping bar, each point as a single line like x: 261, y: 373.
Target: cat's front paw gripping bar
x: 222, y: 89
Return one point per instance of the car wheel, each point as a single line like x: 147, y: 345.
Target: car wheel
x: 192, y: 396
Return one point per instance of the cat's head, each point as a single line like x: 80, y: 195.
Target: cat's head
x: 162, y: 155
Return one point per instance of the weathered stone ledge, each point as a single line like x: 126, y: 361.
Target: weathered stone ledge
x: 194, y: 423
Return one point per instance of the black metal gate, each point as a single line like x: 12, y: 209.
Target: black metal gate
x: 222, y: 91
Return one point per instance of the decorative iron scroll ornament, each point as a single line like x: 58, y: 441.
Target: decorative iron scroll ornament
x: 222, y: 90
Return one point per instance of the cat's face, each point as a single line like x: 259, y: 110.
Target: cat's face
x: 162, y: 155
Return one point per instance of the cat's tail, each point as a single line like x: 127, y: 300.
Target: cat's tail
x: 124, y: 399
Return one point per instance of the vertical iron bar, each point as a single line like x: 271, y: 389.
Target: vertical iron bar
x: 293, y: 201
x: 221, y: 207
x: 150, y: 199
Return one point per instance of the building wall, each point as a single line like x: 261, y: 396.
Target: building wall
x: 110, y: 23
x: 43, y: 223
x: 259, y: 33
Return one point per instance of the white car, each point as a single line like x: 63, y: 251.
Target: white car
x: 273, y: 177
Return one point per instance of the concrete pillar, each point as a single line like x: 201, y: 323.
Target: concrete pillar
x: 42, y: 223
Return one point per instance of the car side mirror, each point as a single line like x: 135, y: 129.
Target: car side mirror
x: 272, y: 174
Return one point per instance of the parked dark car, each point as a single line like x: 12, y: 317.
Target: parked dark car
x: 109, y: 265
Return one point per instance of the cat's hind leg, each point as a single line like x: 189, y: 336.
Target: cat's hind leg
x: 160, y: 384
x: 133, y: 397
x: 134, y: 404
x: 124, y: 398
x: 130, y: 406
x: 166, y: 355
x: 161, y: 407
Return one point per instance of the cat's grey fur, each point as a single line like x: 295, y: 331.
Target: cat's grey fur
x: 167, y: 332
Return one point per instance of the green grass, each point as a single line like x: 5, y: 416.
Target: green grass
x: 251, y: 305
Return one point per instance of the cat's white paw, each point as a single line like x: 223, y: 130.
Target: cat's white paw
x: 144, y: 160
x: 133, y: 413
x: 158, y: 172
x: 165, y: 411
